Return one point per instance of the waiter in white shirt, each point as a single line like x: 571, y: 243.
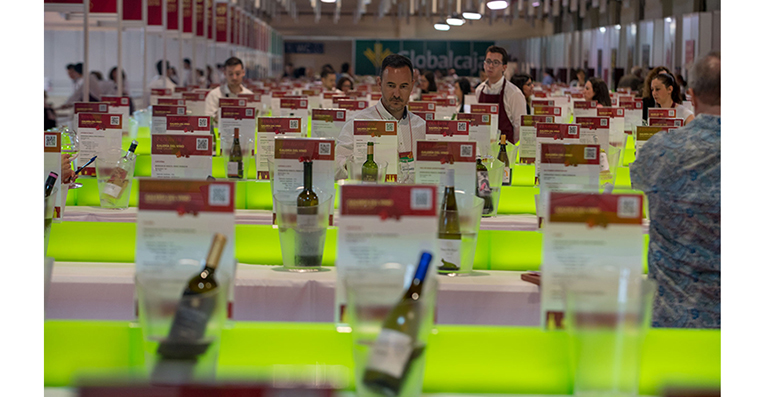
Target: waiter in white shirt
x: 396, y: 81
x: 75, y: 73
x: 234, y: 73
x: 497, y: 89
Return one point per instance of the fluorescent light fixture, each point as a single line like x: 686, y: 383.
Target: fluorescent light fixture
x: 602, y: 29
x: 454, y: 20
x: 328, y: 1
x: 441, y: 26
x: 475, y: 16
x: 536, y: 4
x: 497, y: 4
x: 668, y: 19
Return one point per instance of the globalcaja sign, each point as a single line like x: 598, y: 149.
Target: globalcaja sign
x: 466, y: 57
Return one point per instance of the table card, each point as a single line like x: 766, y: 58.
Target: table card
x: 445, y: 108
x: 295, y: 107
x: 191, y: 125
x: 448, y: 130
x: 554, y: 132
x: 584, y: 108
x: 245, y: 120
x: 556, y: 112
x: 52, y: 163
x: 267, y: 130
x: 275, y: 101
x: 352, y: 106
x: 425, y: 115
x: 588, y: 236
x: 374, y: 97
x: 382, y: 224
x: 165, y: 101
x: 633, y: 114
x: 480, y: 130
x: 313, y: 97
x: 543, y: 102
x: 98, y: 133
x: 430, y: 97
x: 433, y: 158
x: 528, y: 136
x: 644, y: 133
x: 595, y: 130
x: 617, y: 123
x: 159, y: 114
x: 178, y: 91
x: 195, y: 102
x: 87, y: 107
x: 156, y: 93
x: 422, y: 106
x: 181, y: 156
x: 565, y: 103
x: 658, y: 113
x: 326, y: 99
x: 175, y: 223
x: 384, y: 135
x: 491, y: 109
x: 119, y: 105
x: 568, y: 164
x: 262, y: 96
x: 327, y: 123
x: 666, y: 122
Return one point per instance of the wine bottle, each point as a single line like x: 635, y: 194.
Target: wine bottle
x: 119, y: 179
x: 483, y: 188
x: 449, y: 236
x: 195, y: 308
x: 369, y: 169
x: 50, y: 182
x: 397, y: 346
x: 235, y: 162
x: 307, y: 253
x: 503, y: 156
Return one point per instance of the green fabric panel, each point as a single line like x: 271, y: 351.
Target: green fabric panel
x: 513, y: 250
x: 93, y: 242
x: 72, y: 196
x: 259, y: 196
x: 257, y: 244
x: 623, y: 177
x: 143, y: 165
x: 523, y: 175
x: 630, y: 153
x: 520, y: 360
x: 144, y: 144
x: 481, y: 258
x: 517, y: 200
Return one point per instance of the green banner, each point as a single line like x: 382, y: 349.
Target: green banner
x: 466, y: 57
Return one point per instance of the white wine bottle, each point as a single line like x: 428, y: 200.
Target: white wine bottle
x: 397, y: 346
x: 449, y: 236
x: 235, y: 162
x: 369, y: 168
x: 306, y: 252
x: 503, y: 156
x: 483, y: 188
x: 119, y: 179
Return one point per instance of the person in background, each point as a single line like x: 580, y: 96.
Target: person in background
x: 158, y: 81
x: 188, y: 76
x: 547, y: 78
x: 665, y: 90
x: 234, y: 73
x: 104, y: 85
x: 596, y: 89
x: 220, y: 74
x: 327, y: 80
x: 344, y: 72
x: 647, y: 100
x: 452, y: 74
x: 482, y: 77
x: 416, y: 90
x: 496, y: 89
x: 345, y: 85
x: 173, y: 76
x: 288, y: 70
x: 210, y: 76
x: 682, y: 86
x: 633, y: 80
x: 462, y: 88
x: 50, y: 114
x: 201, y: 78
x: 427, y: 83
x: 680, y: 172
x: 112, y: 88
x: 438, y: 76
x: 94, y: 87
x: 580, y: 82
x: 524, y: 82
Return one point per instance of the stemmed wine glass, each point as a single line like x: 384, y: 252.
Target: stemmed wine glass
x: 70, y: 144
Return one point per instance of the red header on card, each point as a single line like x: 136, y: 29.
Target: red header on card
x: 337, y: 98
x: 575, y: 95
x: 187, y: 123
x: 422, y: 106
x: 656, y: 113
x: 161, y: 91
x: 447, y: 127
x: 585, y: 104
x: 531, y: 121
x: 249, y: 97
x: 194, y: 96
x: 446, y: 151
x: 644, y: 132
x: 186, y: 196
x: 635, y: 104
x: 100, y: 121
x: 610, y: 112
x: 569, y: 154
x: 279, y: 125
x: 593, y: 123
x: 446, y: 102
x: 547, y: 111
x: 182, y: 145
x: 542, y: 102
x: 558, y: 131
x: 538, y: 94
x: 666, y: 122
x: 328, y: 115
x: 388, y: 201
x: 331, y: 94
x: 52, y: 142
x: 116, y: 100
x: 595, y: 209
x: 237, y: 113
x: 292, y: 103
x: 485, y: 108
x: 181, y: 89
x: 163, y: 110
x: 431, y: 97
x: 279, y: 94
x: 232, y: 102
x: 476, y: 118
x: 171, y: 102
x: 313, y: 92
x: 374, y: 127
x: 376, y: 96
x: 426, y: 115
x: 91, y: 107
x: 304, y: 148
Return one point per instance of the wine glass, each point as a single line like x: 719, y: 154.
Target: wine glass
x: 70, y: 144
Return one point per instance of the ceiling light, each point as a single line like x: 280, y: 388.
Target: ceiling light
x: 668, y: 19
x: 536, y: 4
x: 472, y: 16
x: 617, y: 27
x: 497, y: 4
x: 441, y: 26
x: 602, y: 29
x: 455, y: 20
x: 328, y: 1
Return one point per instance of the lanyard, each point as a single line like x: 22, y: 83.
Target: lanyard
x: 410, y: 125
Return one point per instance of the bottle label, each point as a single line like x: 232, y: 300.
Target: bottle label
x: 605, y: 164
x: 482, y: 180
x: 507, y: 176
x: 390, y: 353
x: 232, y: 169
x: 112, y: 190
x: 307, y: 222
x: 450, y: 254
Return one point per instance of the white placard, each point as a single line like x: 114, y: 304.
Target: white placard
x: 181, y: 156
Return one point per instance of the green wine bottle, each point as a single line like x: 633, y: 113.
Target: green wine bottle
x: 397, y: 346
x: 369, y: 169
x: 235, y: 162
x: 483, y: 188
x: 503, y: 156
x: 449, y: 236
x: 306, y: 248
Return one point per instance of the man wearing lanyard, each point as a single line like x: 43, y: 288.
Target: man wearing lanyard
x: 396, y: 81
x: 496, y: 89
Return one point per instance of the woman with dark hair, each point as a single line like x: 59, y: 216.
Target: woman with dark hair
x: 113, y: 87
x: 462, y: 88
x: 345, y: 84
x: 524, y: 82
x: 647, y: 98
x: 596, y: 90
x: 427, y: 83
x: 665, y: 91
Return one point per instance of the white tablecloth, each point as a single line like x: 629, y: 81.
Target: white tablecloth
x: 105, y: 291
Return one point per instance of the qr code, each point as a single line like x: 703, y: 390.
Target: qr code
x: 203, y: 122
x: 201, y: 144
x: 390, y: 127
x: 293, y: 124
x: 671, y: 113
x: 428, y: 116
x: 638, y: 105
x: 466, y: 150
x: 124, y: 101
x: 572, y: 130
x: 303, y: 104
x: 485, y: 118
x: 462, y: 126
x: 341, y: 115
x: 362, y: 105
x: 493, y: 109
x: 241, y: 102
x: 620, y: 112
x: 557, y: 111
x: 219, y: 195
x: 114, y: 120
x: 549, y: 119
x: 603, y: 122
x: 325, y: 148
x: 50, y: 141
x: 102, y: 108
x: 589, y: 153
x: 678, y: 123
x: 628, y: 207
x: 180, y: 110
x: 421, y: 199
x: 249, y: 112
x: 431, y: 106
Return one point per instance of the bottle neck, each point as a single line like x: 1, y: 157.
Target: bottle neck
x: 370, y: 152
x: 308, y: 175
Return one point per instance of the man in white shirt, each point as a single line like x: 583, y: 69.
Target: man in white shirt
x: 234, y: 73
x: 158, y: 81
x: 328, y: 77
x: 396, y: 81
x: 75, y: 73
x: 189, y: 76
x: 497, y: 89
